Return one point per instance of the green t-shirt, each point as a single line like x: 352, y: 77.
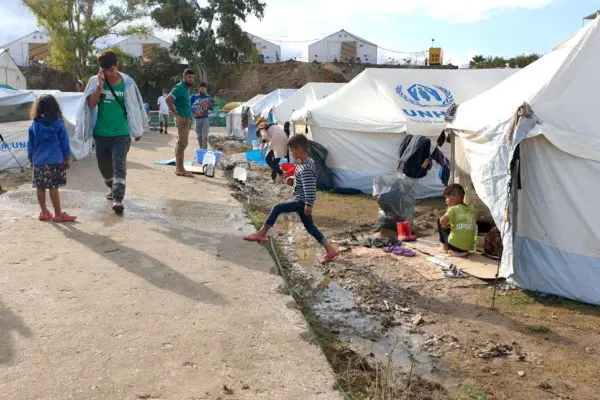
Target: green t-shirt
x: 181, y: 93
x: 463, y: 226
x: 111, y: 120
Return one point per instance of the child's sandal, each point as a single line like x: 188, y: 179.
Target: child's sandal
x: 46, y: 216
x: 65, y: 218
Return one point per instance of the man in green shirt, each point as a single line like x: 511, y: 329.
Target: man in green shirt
x: 457, y: 228
x: 179, y: 104
x: 112, y: 133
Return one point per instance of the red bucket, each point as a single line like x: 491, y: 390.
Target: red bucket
x: 288, y: 169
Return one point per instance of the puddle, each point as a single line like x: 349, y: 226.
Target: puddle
x: 93, y: 207
x: 336, y: 308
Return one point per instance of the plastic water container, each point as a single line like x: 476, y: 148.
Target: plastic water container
x: 200, y: 155
x: 256, y: 144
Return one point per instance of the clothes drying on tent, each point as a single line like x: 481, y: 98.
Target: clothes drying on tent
x: 415, y: 156
x: 325, y: 176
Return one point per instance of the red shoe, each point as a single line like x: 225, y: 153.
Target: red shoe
x: 404, y: 232
x: 65, y: 218
x: 330, y: 257
x: 257, y: 237
x: 46, y: 216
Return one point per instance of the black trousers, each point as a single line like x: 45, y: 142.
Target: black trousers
x: 274, y: 164
x: 111, y: 153
x: 444, y: 234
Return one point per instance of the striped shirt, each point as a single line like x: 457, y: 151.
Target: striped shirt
x: 305, y: 182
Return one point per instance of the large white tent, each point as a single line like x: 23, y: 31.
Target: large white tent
x: 14, y: 105
x: 552, y: 233
x: 305, y: 97
x: 363, y: 123
x: 234, y: 117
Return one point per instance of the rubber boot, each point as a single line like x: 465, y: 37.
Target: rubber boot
x: 404, y: 232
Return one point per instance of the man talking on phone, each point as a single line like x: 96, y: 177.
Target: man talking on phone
x: 113, y: 113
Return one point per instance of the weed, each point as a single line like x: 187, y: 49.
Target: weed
x: 541, y: 329
x: 469, y: 391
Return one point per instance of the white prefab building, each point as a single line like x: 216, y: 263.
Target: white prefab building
x: 343, y: 46
x: 32, y: 47
x: 270, y: 52
x: 141, y: 45
x: 10, y: 74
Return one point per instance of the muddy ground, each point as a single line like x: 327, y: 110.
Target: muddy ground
x: 394, y: 327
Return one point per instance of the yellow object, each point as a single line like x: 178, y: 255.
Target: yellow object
x: 230, y: 106
x: 435, y: 56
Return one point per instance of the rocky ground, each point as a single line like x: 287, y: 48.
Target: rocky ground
x: 396, y: 318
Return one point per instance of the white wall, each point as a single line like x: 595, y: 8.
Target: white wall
x: 19, y: 50
x: 329, y: 49
x: 269, y: 50
x: 10, y: 73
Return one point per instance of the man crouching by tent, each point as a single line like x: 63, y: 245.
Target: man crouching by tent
x: 112, y: 112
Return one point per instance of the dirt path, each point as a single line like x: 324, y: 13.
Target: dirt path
x: 164, y: 303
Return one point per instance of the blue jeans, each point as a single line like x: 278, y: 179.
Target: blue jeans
x: 202, y: 128
x: 297, y: 207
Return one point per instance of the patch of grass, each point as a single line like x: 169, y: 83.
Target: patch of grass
x: 537, y: 329
x: 469, y: 391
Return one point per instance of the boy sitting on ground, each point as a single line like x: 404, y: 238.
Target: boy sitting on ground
x: 457, y: 228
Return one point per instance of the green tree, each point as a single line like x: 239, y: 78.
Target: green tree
x: 210, y: 32
x: 522, y: 61
x: 74, y: 26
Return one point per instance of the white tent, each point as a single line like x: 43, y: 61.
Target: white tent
x: 234, y: 117
x: 363, y: 123
x: 552, y: 236
x: 305, y: 97
x: 273, y: 99
x: 10, y: 74
x: 16, y: 133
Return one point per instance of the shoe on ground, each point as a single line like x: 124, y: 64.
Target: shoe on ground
x: 118, y: 207
x: 109, y: 196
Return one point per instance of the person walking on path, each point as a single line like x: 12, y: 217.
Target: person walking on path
x: 50, y: 155
x: 202, y: 105
x: 113, y: 112
x: 163, y: 112
x: 305, y: 196
x: 179, y: 104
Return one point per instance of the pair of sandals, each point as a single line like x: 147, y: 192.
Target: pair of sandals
x: 399, y: 251
x: 47, y: 216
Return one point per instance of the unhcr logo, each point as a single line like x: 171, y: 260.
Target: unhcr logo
x: 426, y: 96
x: 18, y: 146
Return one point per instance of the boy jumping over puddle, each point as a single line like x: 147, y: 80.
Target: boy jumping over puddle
x: 305, y: 194
x: 457, y: 228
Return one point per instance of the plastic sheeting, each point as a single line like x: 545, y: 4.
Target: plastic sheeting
x: 16, y: 133
x: 395, y: 196
x: 552, y: 235
x: 363, y: 123
x: 325, y: 175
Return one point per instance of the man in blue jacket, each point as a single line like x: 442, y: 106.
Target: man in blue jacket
x: 202, y: 104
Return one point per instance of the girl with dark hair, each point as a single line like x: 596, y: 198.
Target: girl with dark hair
x: 50, y: 155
